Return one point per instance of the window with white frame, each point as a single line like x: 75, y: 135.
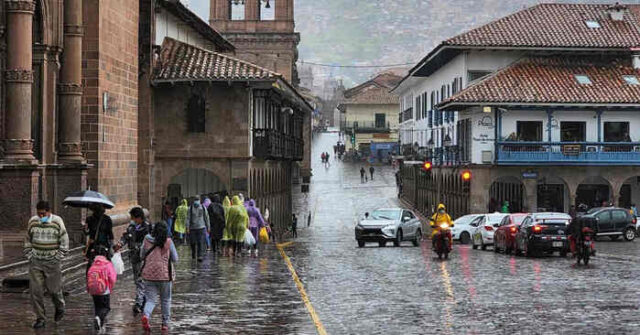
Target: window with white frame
x: 236, y: 10
x: 267, y: 10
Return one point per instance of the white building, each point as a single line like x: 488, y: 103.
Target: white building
x: 541, y: 106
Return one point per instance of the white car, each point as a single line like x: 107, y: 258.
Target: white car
x: 483, y: 228
x: 461, y: 230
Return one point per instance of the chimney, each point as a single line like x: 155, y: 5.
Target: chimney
x: 616, y: 12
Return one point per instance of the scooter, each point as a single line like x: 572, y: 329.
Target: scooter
x: 585, y: 246
x: 442, y: 243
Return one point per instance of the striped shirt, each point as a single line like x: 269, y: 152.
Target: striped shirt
x: 46, y: 241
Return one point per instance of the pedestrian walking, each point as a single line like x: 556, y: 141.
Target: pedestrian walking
x: 227, y: 243
x: 217, y: 221
x: 309, y: 219
x: 133, y: 237
x: 206, y: 203
x: 237, y: 224
x: 371, y: 171
x: 294, y: 226
x: 99, y: 233
x: 181, y: 221
x: 335, y: 150
x: 505, y: 207
x: 239, y: 227
x: 101, y: 278
x: 45, y: 246
x: 159, y: 253
x: 256, y: 222
x: 362, y: 174
x: 169, y: 217
x: 197, y: 225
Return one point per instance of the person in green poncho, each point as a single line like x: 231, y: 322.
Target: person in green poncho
x: 238, y: 223
x: 226, y: 236
x: 181, y: 220
x: 505, y: 207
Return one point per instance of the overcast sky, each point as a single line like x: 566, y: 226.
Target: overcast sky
x: 383, y: 32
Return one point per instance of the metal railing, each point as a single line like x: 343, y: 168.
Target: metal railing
x: 364, y: 126
x: 271, y: 144
x: 604, y: 153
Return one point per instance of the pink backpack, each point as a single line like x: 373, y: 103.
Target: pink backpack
x: 97, y: 281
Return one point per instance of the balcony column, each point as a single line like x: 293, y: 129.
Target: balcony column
x: 18, y: 145
x: 70, y: 87
x: 599, y: 120
x: 549, y: 117
x: 531, y: 194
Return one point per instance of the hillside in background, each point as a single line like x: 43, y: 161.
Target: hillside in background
x: 374, y: 32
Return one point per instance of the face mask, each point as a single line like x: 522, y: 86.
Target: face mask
x: 196, y: 203
x: 441, y: 211
x: 44, y: 219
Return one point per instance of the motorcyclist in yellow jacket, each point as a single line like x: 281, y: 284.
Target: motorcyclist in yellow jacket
x: 439, y: 218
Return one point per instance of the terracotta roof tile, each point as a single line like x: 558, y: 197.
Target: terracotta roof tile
x: 557, y: 25
x: 545, y: 80
x: 374, y: 91
x: 183, y: 62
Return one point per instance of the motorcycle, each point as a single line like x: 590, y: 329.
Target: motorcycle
x: 585, y: 246
x: 442, y: 241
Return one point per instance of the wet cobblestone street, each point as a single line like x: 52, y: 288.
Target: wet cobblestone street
x: 371, y: 290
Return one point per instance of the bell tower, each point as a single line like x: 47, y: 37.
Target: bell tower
x: 262, y: 32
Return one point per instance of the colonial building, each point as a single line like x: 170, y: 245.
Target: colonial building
x: 370, y: 117
x: 83, y: 103
x: 540, y: 106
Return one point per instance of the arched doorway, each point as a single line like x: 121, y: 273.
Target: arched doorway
x: 594, y: 192
x: 192, y: 183
x: 630, y: 192
x: 506, y: 189
x: 553, y: 195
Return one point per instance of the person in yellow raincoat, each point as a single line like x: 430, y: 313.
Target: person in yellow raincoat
x: 238, y: 223
x: 181, y: 220
x: 226, y: 236
x: 437, y: 219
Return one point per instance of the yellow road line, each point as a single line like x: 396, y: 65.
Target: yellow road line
x: 303, y: 292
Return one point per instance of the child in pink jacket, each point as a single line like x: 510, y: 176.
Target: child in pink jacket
x: 101, y: 277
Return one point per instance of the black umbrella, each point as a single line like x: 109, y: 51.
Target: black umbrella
x: 86, y: 198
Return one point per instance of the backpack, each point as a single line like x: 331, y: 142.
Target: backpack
x: 97, y: 282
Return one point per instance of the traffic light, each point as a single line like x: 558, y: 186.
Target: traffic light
x: 466, y: 181
x: 426, y: 166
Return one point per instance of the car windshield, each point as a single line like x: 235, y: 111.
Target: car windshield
x: 385, y: 214
x: 593, y: 210
x: 494, y: 218
x: 465, y: 219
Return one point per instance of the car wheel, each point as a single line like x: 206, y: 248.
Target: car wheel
x: 482, y: 245
x: 473, y: 243
x: 360, y: 244
x: 418, y: 239
x: 396, y: 242
x: 614, y: 237
x: 496, y: 249
x: 382, y: 244
x: 465, y: 238
x: 629, y: 234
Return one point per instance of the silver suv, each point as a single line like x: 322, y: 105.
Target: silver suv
x: 389, y: 224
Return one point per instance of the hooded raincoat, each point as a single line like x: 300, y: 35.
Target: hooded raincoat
x: 256, y: 221
x: 439, y: 218
x: 237, y: 220
x: 181, y: 217
x: 226, y: 204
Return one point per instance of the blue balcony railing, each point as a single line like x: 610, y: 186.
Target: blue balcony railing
x: 568, y: 153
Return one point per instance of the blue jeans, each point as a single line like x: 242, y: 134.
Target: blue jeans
x: 152, y: 289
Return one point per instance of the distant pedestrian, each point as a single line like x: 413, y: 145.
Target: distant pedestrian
x: 256, y: 222
x: 505, y: 207
x: 294, y: 226
x: 169, y: 217
x: 371, y: 171
x: 634, y: 210
x: 362, y: 174
x: 309, y: 220
x: 237, y: 223
x: 206, y: 203
x: 197, y: 226
x: 572, y: 212
x: 99, y: 232
x: 133, y: 237
x: 159, y: 253
x: 45, y: 246
x: 101, y: 278
x: 217, y: 222
x: 335, y: 150
x: 227, y: 243
x: 181, y: 221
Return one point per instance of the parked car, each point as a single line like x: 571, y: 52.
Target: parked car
x: 461, y: 230
x: 543, y: 233
x: 483, y: 228
x: 614, y: 222
x: 389, y: 224
x: 504, y: 239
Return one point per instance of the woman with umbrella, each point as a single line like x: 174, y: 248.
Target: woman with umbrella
x: 98, y: 227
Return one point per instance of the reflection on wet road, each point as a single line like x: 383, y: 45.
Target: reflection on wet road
x: 374, y: 290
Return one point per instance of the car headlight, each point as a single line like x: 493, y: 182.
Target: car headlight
x: 359, y: 227
x: 389, y: 229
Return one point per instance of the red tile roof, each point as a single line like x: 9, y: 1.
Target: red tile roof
x: 184, y: 62
x: 374, y: 91
x: 551, y: 80
x: 557, y: 25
